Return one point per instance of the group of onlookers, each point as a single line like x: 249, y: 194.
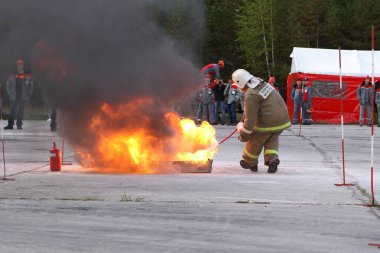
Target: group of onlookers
x: 364, y: 94
x: 302, y: 94
x: 216, y: 95
x: 215, y: 99
x: 218, y: 102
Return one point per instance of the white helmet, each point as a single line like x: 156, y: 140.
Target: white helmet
x: 242, y: 77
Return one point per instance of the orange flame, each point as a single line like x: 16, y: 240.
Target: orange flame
x: 141, y: 148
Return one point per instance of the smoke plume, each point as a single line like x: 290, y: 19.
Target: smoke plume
x: 86, y: 53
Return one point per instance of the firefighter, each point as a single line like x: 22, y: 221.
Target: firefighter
x: 306, y: 103
x: 213, y: 69
x: 364, y: 94
x: 19, y: 88
x: 265, y: 118
x: 296, y: 97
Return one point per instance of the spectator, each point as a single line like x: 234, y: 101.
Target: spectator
x: 213, y: 83
x: 213, y: 69
x: 52, y: 114
x: 272, y: 82
x: 306, y: 103
x: 218, y: 91
x: 208, y: 72
x: 232, y: 94
x: 241, y: 98
x: 296, y: 97
x: 364, y: 94
x: 19, y: 88
x: 206, y: 103
x: 377, y: 100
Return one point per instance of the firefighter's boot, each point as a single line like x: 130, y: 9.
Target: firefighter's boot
x: 245, y: 165
x: 273, y: 165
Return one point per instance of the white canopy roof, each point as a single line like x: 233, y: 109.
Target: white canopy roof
x: 326, y: 61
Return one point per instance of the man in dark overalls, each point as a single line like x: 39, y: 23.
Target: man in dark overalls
x: 19, y: 88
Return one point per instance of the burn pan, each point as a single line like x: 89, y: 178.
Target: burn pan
x: 192, y: 167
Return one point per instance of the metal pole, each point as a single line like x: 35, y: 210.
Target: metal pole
x: 63, y: 153
x: 341, y: 115
x: 373, y: 93
x: 271, y: 29
x: 342, y: 122
x: 317, y: 27
x: 265, y: 40
x: 2, y: 141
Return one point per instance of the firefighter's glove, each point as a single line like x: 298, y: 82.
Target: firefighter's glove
x: 243, y: 136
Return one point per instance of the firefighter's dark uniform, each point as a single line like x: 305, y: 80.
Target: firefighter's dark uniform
x: 266, y: 117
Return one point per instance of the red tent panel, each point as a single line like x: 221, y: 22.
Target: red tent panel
x: 326, y: 97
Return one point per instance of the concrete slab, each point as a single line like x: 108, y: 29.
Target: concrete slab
x: 297, y: 209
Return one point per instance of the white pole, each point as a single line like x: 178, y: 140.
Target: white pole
x: 342, y: 123
x: 341, y: 115
x: 265, y: 40
x: 372, y: 111
x: 2, y: 141
x: 271, y: 29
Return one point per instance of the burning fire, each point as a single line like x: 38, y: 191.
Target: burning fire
x: 141, y: 145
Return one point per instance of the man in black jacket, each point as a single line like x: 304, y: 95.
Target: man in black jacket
x: 219, y: 100
x: 19, y: 88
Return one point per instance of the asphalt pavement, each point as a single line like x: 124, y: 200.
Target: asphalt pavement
x: 298, y: 209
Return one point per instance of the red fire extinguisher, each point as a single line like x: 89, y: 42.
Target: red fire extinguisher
x: 55, y: 158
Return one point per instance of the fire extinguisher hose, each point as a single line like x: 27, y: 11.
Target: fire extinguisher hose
x: 229, y: 136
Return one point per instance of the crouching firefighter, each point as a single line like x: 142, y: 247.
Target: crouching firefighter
x: 265, y: 117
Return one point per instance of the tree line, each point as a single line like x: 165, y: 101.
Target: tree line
x: 259, y: 35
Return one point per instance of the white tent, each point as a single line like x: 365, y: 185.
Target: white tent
x: 326, y: 61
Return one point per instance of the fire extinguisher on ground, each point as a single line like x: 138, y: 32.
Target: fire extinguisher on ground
x: 55, y: 158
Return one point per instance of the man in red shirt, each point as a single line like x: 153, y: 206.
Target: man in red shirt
x: 272, y: 82
x: 213, y: 69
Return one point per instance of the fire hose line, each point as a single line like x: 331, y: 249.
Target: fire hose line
x: 229, y: 136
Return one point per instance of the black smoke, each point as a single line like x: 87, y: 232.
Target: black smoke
x: 83, y: 53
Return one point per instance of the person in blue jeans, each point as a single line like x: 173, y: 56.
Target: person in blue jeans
x: 232, y: 94
x: 297, y: 99
x: 219, y: 97
x: 364, y: 94
x: 206, y: 102
x: 19, y: 88
x: 307, y: 97
x: 377, y: 101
